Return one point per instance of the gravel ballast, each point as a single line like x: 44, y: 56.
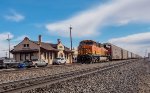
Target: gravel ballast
x: 131, y: 78
x: 22, y: 74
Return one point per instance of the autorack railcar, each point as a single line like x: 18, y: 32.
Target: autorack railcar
x: 114, y: 52
x: 124, y: 54
x: 129, y: 55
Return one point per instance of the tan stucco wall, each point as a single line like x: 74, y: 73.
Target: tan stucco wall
x: 48, y: 58
x: 69, y: 60
x: 51, y: 58
x: 61, y: 51
x: 17, y: 57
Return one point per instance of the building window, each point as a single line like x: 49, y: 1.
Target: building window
x: 31, y: 54
x: 60, y: 47
x: 55, y: 55
x: 25, y: 45
x: 67, y: 56
x: 51, y: 55
x: 45, y: 55
x: 48, y: 55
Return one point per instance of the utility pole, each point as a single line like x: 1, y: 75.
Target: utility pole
x: 70, y: 36
x: 145, y: 53
x: 6, y: 54
x: 39, y: 42
x: 71, y: 42
x: 9, y: 45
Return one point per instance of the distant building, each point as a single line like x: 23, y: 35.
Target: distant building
x: 149, y: 55
x: 29, y: 50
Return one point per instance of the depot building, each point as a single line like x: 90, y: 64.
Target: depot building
x: 31, y: 50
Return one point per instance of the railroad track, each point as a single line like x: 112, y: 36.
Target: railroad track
x: 30, y: 84
x: 15, y: 70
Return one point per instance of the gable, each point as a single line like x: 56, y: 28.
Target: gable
x: 26, y: 44
x: 60, y: 46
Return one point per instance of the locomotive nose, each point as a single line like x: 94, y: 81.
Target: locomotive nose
x: 85, y: 59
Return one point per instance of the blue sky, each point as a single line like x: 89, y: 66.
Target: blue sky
x: 37, y: 14
x: 121, y: 22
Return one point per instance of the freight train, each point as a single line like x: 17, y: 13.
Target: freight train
x: 90, y: 51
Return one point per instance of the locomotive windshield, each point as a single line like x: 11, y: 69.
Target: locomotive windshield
x: 87, y: 43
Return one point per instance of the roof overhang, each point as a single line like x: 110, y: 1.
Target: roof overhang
x: 68, y: 51
x: 24, y: 51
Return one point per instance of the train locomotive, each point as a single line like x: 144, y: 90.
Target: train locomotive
x: 90, y: 51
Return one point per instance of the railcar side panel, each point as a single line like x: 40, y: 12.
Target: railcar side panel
x: 133, y: 55
x: 124, y: 54
x: 115, y: 52
x: 129, y: 55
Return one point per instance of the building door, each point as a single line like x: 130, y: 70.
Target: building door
x: 61, y: 55
x: 27, y: 56
x: 22, y: 57
x: 70, y: 59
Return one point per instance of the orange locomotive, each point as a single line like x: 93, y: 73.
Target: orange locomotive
x: 90, y: 51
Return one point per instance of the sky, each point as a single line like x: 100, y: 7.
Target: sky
x: 125, y: 23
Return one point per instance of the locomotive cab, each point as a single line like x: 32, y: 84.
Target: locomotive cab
x: 86, y: 47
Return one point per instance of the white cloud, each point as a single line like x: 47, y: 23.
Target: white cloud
x: 135, y: 38
x: 14, y: 16
x: 4, y: 43
x: 39, y: 25
x: 4, y: 36
x: 116, y: 12
x: 137, y: 43
x: 20, y: 38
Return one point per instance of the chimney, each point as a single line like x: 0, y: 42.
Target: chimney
x: 40, y: 39
x: 26, y: 38
x: 58, y: 41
